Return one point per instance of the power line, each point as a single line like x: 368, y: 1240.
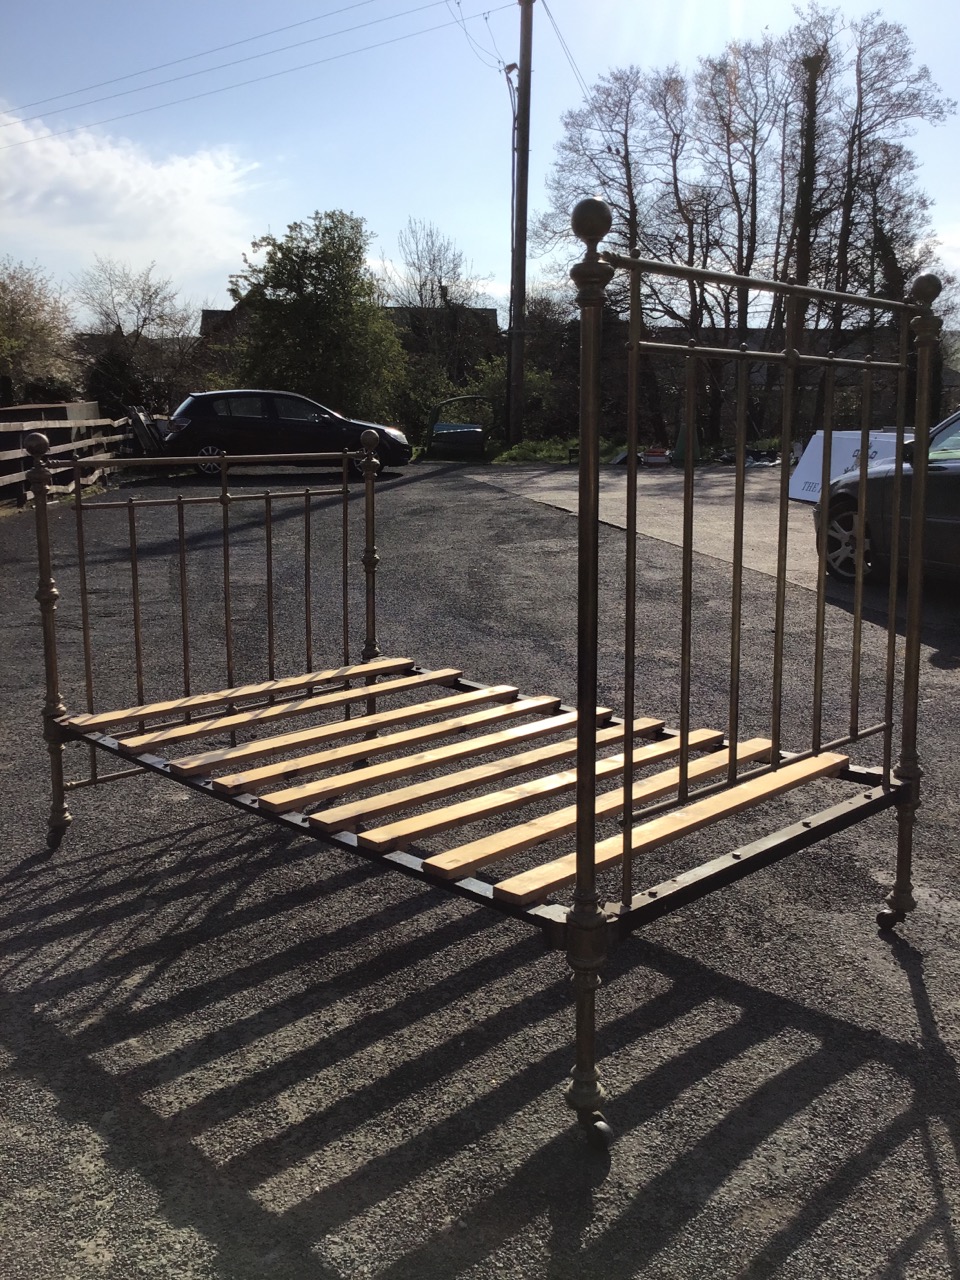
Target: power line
x: 190, y: 57
x: 480, y: 53
x: 303, y: 66
x: 221, y: 66
x: 588, y: 98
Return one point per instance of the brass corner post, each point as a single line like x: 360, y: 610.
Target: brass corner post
x: 39, y: 477
x: 926, y: 328
x: 586, y: 922
x: 370, y: 465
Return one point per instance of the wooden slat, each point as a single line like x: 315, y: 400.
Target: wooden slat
x: 399, y: 834
x: 455, y: 863
x: 336, y: 784
x: 531, y: 886
x: 220, y: 725
x: 180, y: 706
x: 206, y: 761
x: 344, y: 817
x: 417, y: 762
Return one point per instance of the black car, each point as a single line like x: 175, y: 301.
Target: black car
x: 941, y: 543
x: 210, y: 423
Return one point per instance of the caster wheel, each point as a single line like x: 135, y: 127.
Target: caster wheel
x: 598, y: 1132
x: 887, y: 918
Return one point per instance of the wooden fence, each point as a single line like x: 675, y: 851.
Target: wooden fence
x: 68, y: 440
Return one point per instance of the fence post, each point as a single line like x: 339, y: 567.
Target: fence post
x: 39, y: 477
x: 586, y: 922
x: 926, y: 327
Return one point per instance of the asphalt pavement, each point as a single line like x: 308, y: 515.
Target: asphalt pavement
x: 228, y: 1052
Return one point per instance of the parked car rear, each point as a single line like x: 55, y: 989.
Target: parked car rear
x: 838, y: 517
x: 210, y: 423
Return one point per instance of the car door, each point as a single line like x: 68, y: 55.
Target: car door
x: 303, y: 426
x: 242, y: 423
x: 942, y: 538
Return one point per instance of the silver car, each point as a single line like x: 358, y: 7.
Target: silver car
x: 941, y: 546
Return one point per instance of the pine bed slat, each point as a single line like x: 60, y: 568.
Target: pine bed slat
x: 456, y: 863
x: 344, y: 817
x: 474, y: 809
x: 284, y: 710
x: 175, y: 706
x: 539, y: 882
x: 206, y: 761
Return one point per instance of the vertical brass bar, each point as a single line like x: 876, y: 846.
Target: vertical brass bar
x: 630, y: 597
x: 927, y: 328
x: 39, y: 477
x: 307, y: 582
x: 345, y: 559
x: 371, y: 556
x: 866, y: 417
x: 586, y: 922
x: 736, y: 596
x: 788, y: 413
x: 896, y: 515
x: 227, y: 602
x: 135, y: 589
x: 829, y: 400
x: 84, y: 610
x: 370, y: 465
x: 184, y: 596
x: 686, y: 573
x: 268, y: 539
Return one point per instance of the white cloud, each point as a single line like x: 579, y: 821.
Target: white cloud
x: 65, y: 199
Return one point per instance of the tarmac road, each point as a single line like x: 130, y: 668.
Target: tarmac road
x: 228, y: 1053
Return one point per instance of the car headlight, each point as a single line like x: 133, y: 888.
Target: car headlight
x: 395, y: 434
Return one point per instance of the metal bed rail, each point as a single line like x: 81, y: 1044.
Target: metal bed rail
x: 299, y: 504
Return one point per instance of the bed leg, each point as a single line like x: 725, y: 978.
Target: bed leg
x: 586, y: 951
x: 900, y: 899
x: 60, y: 816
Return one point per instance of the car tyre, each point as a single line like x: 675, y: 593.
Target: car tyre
x: 841, y: 535
x: 208, y: 459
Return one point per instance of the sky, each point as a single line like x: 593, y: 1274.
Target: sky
x: 390, y: 109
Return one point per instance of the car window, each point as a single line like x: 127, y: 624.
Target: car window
x: 299, y: 410
x: 248, y: 406
x: 947, y: 445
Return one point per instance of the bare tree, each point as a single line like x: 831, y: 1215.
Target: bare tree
x: 447, y: 321
x: 150, y: 340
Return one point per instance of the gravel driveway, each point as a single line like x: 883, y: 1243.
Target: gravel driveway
x: 231, y: 1053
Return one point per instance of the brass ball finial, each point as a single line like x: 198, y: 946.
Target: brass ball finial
x: 370, y: 441
x: 36, y: 444
x: 926, y: 289
x: 591, y: 219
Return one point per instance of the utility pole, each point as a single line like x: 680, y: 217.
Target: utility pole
x: 518, y: 275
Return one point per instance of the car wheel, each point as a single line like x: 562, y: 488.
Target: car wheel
x: 841, y: 533
x: 208, y: 460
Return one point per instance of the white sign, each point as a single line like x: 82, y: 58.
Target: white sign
x: 844, y: 457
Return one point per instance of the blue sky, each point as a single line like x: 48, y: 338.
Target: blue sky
x: 405, y: 115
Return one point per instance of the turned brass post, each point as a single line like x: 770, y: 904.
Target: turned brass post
x: 926, y: 327
x: 370, y: 465
x: 39, y: 477
x: 586, y: 923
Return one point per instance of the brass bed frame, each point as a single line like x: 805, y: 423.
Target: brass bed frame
x: 427, y: 773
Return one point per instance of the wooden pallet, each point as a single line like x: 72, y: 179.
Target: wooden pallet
x: 432, y: 757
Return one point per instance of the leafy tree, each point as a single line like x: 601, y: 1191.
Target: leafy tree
x: 311, y: 319
x: 36, y: 341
